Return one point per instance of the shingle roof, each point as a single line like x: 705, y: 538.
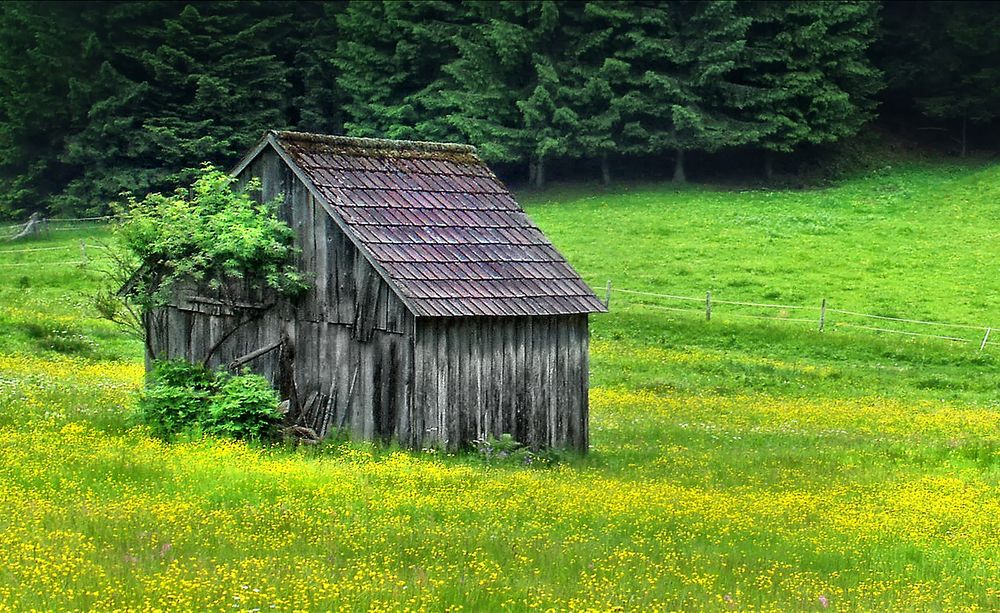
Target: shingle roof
x: 450, y: 237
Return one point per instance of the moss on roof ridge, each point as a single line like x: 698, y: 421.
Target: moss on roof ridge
x: 376, y: 144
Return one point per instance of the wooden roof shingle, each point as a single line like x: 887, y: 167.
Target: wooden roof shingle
x: 438, y: 223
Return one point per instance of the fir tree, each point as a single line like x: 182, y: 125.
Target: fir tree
x: 809, y: 63
x: 388, y: 60
x: 40, y: 68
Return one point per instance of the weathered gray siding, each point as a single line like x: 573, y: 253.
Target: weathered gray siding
x: 353, y: 358
x: 348, y: 355
x: 480, y: 376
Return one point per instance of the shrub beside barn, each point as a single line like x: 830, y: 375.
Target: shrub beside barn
x: 438, y: 313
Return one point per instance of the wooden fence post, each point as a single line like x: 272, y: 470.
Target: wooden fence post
x: 985, y: 339
x: 822, y: 315
x: 83, y: 252
x: 708, y: 306
x: 607, y: 295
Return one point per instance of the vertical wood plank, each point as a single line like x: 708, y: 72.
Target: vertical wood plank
x: 551, y: 380
x: 518, y: 427
x: 320, y: 258
x: 532, y: 380
x: 344, y: 366
x: 347, y: 281
x: 403, y: 391
x: 564, y: 400
x: 331, y: 235
x: 453, y: 409
x: 475, y: 379
x: 585, y: 385
x: 431, y: 432
x: 509, y: 404
x: 421, y: 382
x: 573, y: 384
x: 443, y: 374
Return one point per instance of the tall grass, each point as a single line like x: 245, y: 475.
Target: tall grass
x: 734, y: 465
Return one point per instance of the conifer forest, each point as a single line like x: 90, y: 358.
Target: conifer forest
x: 99, y: 98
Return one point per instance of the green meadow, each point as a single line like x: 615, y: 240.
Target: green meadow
x: 739, y: 463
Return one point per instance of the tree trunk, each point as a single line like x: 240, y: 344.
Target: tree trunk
x: 964, y: 136
x: 532, y: 173
x: 605, y: 170
x: 679, y: 176
x: 768, y: 165
x: 540, y: 174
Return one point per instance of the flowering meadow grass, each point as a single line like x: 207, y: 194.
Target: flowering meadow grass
x: 732, y: 468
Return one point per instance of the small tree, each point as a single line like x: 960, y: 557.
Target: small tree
x: 210, y: 231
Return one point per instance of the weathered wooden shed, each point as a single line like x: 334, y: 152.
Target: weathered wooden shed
x: 438, y: 312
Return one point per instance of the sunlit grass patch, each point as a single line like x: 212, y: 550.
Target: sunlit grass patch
x: 138, y: 524
x: 734, y: 466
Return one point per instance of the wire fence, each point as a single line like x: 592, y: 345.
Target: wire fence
x: 825, y: 317
x: 40, y: 226
x: 83, y: 254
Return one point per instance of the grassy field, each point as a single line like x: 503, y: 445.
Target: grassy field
x: 736, y: 464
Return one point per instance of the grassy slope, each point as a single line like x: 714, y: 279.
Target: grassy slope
x: 736, y: 465
x: 918, y: 242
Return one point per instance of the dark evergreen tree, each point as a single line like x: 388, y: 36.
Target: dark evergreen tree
x: 318, y: 98
x: 40, y: 69
x: 507, y: 92
x: 185, y: 84
x: 388, y: 61
x: 679, y: 81
x: 942, y: 59
x: 590, y: 71
x: 808, y: 62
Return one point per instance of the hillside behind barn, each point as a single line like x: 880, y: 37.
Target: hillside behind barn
x: 851, y: 468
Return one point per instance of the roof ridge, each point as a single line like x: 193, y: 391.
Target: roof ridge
x: 383, y: 144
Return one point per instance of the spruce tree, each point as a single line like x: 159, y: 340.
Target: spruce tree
x: 678, y: 74
x: 318, y: 98
x: 177, y: 85
x: 808, y: 61
x: 507, y: 91
x: 40, y: 68
x: 388, y: 61
x: 591, y: 71
x: 943, y: 61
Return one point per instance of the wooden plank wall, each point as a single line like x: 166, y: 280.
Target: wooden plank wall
x: 363, y: 387
x: 477, y: 377
x: 362, y: 363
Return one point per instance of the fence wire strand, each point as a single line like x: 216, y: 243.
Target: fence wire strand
x: 822, y: 309
x: 665, y: 308
x: 63, y: 263
x: 910, y: 321
x: 38, y: 249
x: 947, y: 338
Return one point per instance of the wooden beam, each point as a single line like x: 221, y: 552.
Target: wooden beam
x: 253, y: 355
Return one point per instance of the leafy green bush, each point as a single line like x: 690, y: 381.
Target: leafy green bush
x: 185, y: 398
x: 176, y: 400
x: 210, y: 231
x: 245, y: 407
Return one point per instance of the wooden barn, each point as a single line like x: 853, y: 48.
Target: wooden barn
x: 438, y: 312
